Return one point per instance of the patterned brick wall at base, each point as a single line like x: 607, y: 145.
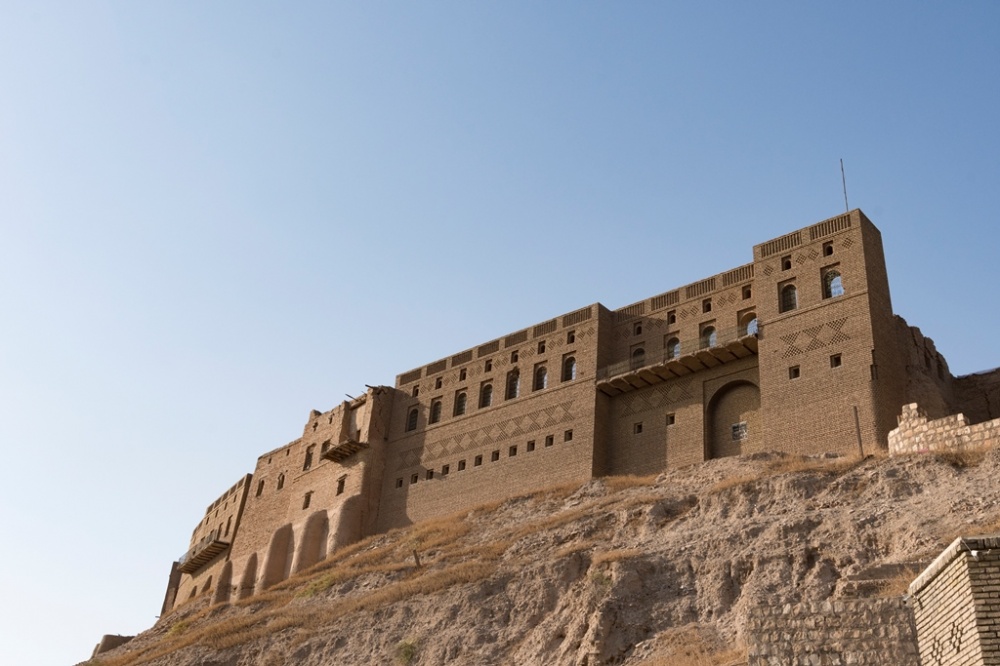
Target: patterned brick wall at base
x: 916, y: 434
x: 862, y: 632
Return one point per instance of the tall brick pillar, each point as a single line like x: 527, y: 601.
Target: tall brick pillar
x: 956, y: 604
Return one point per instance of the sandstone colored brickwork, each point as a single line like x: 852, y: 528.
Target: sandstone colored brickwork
x: 723, y: 366
x: 862, y: 632
x: 956, y: 604
x: 917, y: 434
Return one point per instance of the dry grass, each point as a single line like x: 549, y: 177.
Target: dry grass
x: 610, y: 556
x: 789, y: 465
x: 688, y: 647
x: 899, y: 584
x: 961, y: 458
x: 617, y: 483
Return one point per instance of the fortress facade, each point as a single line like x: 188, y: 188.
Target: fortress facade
x: 797, y: 351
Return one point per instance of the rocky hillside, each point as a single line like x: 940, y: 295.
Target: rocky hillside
x: 619, y: 571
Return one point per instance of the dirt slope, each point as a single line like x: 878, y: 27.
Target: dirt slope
x: 618, y: 571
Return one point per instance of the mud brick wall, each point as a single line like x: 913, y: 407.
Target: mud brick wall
x: 861, y: 632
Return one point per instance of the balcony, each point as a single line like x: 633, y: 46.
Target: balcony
x: 202, y: 552
x: 691, y: 356
x: 347, y: 447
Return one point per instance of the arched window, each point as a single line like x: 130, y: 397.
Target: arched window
x: 411, y: 419
x: 281, y: 481
x: 708, y: 337
x: 638, y: 357
x: 789, y: 298
x: 486, y: 395
x: 460, y: 401
x: 673, y: 348
x: 569, y: 369
x: 513, y: 384
x: 435, y: 411
x: 541, y: 378
x: 748, y: 324
x: 833, y: 284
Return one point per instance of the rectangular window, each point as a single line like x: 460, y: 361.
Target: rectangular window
x: 541, y: 347
x: 512, y: 451
x: 671, y: 419
x: 835, y: 361
x: 478, y: 461
x: 747, y: 292
x: 637, y: 428
x: 414, y: 478
x: 531, y: 446
x: 462, y: 374
x: 568, y: 436
x: 793, y: 372
x: 399, y: 482
x: 341, y: 483
x: 706, y: 305
x: 495, y: 456
x: 445, y: 470
x: 461, y: 465
x: 739, y: 431
x: 430, y: 474
x: 570, y: 337
x: 549, y: 440
x: 672, y: 317
x: 437, y: 383
x: 307, y: 499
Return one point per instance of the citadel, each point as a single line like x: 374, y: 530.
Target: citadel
x: 798, y: 350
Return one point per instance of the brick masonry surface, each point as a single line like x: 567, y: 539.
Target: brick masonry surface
x: 797, y: 351
x: 956, y: 605
x: 861, y: 632
x: 916, y: 434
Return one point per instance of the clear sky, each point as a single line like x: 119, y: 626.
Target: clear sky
x: 217, y: 216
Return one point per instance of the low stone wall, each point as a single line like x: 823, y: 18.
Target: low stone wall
x: 861, y: 632
x: 916, y: 434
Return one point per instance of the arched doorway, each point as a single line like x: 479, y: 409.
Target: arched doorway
x: 733, y: 420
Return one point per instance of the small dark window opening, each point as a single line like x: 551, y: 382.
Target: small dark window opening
x: 570, y: 337
x: 416, y: 391
x: 462, y: 374
x: 445, y: 469
x: 438, y: 382
x: 541, y: 378
x: 513, y: 357
x: 672, y: 317
x: 637, y: 428
x: 786, y: 263
x: 260, y: 488
x: 486, y: 395
x: 541, y: 347
x: 747, y: 292
x: 513, y: 384
x: 794, y: 372
x: 489, y: 365
x: 569, y: 369
x: 637, y: 328
x: 835, y: 361
x: 789, y: 298
x: 461, y: 465
x: 495, y: 456
x: 511, y: 452
x: 706, y: 305
x: 827, y: 249
x: 399, y: 482
x: 671, y: 419
x: 430, y: 474
x: 478, y: 461
x: 414, y: 478
x: 281, y: 481
x: 568, y: 436
x: 309, y: 458
x: 460, y: 401
x: 550, y: 440
x: 341, y: 483
x: 530, y: 446
x: 435, y: 411
x: 411, y: 419
x: 307, y: 499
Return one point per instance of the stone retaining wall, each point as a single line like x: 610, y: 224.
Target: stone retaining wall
x: 916, y: 434
x: 861, y: 632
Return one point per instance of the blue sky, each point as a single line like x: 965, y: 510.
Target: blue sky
x: 215, y: 217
